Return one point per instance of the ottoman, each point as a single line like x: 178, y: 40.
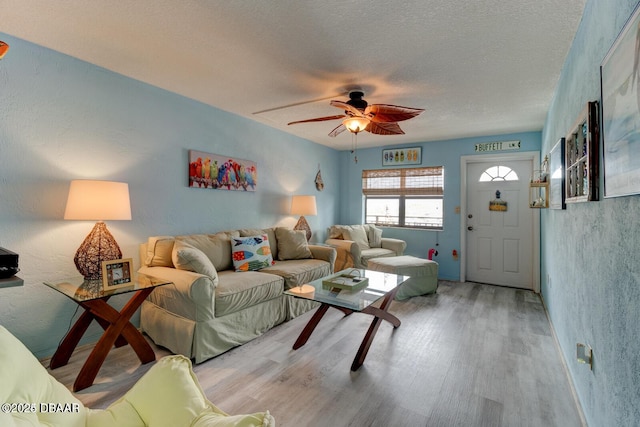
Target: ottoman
x: 423, y: 272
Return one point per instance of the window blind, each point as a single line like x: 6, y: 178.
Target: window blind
x: 427, y: 181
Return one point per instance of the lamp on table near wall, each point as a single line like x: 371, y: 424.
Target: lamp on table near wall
x: 98, y: 201
x: 303, y: 205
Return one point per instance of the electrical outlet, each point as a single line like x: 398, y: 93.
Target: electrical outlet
x: 584, y: 354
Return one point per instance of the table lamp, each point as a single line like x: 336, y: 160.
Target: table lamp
x: 303, y: 205
x: 97, y: 201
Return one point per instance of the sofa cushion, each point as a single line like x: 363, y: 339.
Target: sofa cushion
x: 186, y: 257
x: 236, y: 291
x: 217, y: 247
x: 375, y: 253
x: 169, y: 394
x: 251, y: 253
x: 299, y: 271
x: 271, y: 232
x: 375, y: 236
x: 159, y: 251
x: 24, y: 380
x: 335, y: 232
x: 292, y: 244
x: 357, y: 234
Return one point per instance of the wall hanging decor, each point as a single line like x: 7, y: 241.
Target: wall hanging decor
x: 498, y: 205
x: 402, y: 156
x: 581, y: 157
x: 319, y: 181
x: 208, y: 170
x: 620, y: 78
x: 556, y: 176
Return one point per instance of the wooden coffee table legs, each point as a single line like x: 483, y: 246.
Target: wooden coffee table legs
x: 118, y: 331
x: 378, y: 313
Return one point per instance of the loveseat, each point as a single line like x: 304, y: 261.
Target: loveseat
x: 356, y: 244
x: 228, y: 288
x: 169, y: 394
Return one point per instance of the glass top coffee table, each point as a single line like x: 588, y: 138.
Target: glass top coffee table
x: 359, y: 299
x: 118, y: 330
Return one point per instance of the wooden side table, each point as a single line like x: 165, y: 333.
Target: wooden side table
x: 118, y: 330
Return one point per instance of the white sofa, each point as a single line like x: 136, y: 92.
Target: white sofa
x: 211, y: 308
x: 169, y: 394
x: 356, y: 244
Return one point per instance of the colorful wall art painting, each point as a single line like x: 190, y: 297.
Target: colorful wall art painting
x: 214, y: 171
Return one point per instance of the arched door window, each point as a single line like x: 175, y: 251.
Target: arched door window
x: 498, y: 173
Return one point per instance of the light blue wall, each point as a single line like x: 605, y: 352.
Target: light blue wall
x: 590, y: 269
x: 437, y: 153
x: 63, y: 119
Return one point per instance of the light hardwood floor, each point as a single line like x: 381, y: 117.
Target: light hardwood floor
x: 471, y: 355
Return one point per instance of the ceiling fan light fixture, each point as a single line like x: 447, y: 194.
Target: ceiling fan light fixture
x: 355, y: 124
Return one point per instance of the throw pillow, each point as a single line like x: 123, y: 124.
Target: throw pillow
x: 251, y: 253
x: 186, y: 257
x: 375, y: 236
x: 358, y: 235
x: 292, y: 244
x: 159, y: 249
x: 215, y: 246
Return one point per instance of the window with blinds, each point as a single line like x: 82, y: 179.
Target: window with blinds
x: 408, y: 197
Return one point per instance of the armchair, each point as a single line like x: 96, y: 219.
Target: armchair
x: 356, y: 244
x: 167, y: 395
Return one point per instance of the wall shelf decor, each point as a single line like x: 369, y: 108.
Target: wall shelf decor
x: 539, y: 186
x: 581, y: 157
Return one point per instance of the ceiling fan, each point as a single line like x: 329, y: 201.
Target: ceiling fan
x: 379, y: 119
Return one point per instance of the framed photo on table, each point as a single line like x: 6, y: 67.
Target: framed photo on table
x: 620, y: 78
x: 117, y: 273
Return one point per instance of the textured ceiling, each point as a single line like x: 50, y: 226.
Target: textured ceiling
x: 480, y: 67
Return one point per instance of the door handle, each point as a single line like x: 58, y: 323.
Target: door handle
x: 470, y: 228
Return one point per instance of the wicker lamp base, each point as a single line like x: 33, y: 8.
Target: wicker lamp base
x: 303, y: 225
x: 98, y: 246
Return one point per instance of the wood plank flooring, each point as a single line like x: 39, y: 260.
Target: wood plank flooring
x: 471, y: 355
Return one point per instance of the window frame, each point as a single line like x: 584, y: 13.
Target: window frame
x: 431, y: 191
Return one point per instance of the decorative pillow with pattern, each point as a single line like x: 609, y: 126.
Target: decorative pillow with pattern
x: 251, y: 253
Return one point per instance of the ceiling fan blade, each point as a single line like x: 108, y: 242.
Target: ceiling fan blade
x: 382, y: 113
x: 384, y: 128
x: 337, y: 131
x: 318, y: 119
x: 350, y: 108
x: 295, y: 104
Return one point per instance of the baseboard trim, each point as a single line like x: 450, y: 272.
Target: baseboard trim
x: 574, y: 393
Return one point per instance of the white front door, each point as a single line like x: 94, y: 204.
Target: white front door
x: 499, y: 223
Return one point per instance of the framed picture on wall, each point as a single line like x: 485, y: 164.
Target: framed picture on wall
x: 620, y: 80
x: 402, y: 156
x: 556, y: 172
x: 208, y: 170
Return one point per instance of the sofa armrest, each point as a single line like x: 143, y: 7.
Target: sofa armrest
x: 348, y: 253
x: 192, y: 294
x: 324, y: 253
x: 396, y: 245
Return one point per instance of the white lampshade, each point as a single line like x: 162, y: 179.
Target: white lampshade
x: 98, y: 201
x: 303, y: 205
x: 356, y: 124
